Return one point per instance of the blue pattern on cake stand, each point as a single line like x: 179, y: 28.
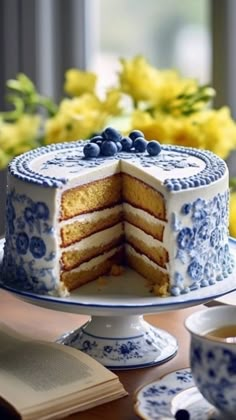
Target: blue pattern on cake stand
x: 122, y: 342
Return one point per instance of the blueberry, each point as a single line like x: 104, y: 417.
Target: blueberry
x: 127, y: 144
x: 108, y: 148
x: 96, y: 139
x: 153, y: 148
x: 119, y: 146
x: 111, y: 134
x: 91, y: 150
x: 135, y: 134
x: 182, y: 415
x: 140, y: 144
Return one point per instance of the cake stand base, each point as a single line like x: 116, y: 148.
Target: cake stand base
x: 122, y: 342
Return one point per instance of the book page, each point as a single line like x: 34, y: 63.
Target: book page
x: 36, y: 372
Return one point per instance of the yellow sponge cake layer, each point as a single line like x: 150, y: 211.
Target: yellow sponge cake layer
x: 92, y: 246
x: 93, y: 196
x: 143, y: 196
x: 93, y: 269
x: 88, y: 224
x: 158, y: 278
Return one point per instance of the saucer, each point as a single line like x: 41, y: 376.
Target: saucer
x: 160, y: 400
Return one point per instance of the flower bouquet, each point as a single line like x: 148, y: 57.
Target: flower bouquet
x: 161, y: 103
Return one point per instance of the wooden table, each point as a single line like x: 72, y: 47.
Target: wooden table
x: 47, y: 324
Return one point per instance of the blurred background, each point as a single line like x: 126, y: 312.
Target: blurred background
x: 43, y: 38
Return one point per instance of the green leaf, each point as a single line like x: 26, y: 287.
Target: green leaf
x: 26, y: 84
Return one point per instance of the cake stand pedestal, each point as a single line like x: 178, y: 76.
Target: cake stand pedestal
x: 122, y: 342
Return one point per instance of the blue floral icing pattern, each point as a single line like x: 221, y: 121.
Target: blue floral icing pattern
x: 173, y: 158
x: 201, y: 248
x: 27, y: 234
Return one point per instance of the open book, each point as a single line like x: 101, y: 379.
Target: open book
x: 43, y: 380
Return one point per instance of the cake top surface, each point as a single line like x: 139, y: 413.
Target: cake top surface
x: 176, y: 168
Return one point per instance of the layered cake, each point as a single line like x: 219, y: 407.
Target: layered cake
x: 74, y: 210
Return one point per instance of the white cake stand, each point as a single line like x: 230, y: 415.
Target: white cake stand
x: 117, y: 335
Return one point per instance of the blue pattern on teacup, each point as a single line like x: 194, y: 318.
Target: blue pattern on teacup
x: 214, y: 372
x: 27, y: 235
x: 201, y: 247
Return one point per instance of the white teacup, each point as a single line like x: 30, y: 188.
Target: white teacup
x: 212, y: 359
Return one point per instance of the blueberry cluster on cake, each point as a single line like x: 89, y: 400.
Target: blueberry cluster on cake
x: 75, y: 209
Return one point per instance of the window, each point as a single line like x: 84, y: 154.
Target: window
x: 169, y: 33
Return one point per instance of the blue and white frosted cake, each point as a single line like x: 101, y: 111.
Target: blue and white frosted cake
x: 75, y: 211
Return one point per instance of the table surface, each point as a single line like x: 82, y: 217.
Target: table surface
x: 40, y: 323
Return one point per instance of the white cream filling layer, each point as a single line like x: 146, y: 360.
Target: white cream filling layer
x: 96, y: 261
x: 97, y: 239
x: 130, y: 250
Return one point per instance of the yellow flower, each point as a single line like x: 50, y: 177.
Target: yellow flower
x: 232, y: 215
x: 171, y: 85
x: 218, y: 130
x: 78, y: 82
x: 153, y: 128
x: 77, y: 118
x: 161, y: 103
x: 138, y: 79
x: 159, y: 88
x: 28, y: 127
x: 112, y: 102
x: 209, y: 129
x: 21, y: 136
x: 168, y: 129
